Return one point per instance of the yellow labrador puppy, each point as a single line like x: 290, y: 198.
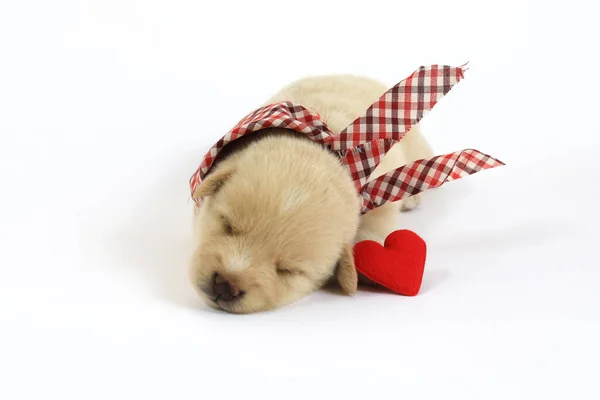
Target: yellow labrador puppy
x: 280, y: 214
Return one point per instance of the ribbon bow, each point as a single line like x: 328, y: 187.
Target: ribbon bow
x: 363, y: 143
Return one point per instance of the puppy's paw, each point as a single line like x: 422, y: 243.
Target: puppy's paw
x: 411, y: 203
x: 366, y: 235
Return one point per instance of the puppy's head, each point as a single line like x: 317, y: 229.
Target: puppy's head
x: 276, y: 222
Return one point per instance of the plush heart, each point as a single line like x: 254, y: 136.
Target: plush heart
x: 398, y: 265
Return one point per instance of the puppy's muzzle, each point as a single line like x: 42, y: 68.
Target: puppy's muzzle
x: 222, y: 289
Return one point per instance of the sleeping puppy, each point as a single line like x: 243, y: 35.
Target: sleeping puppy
x: 280, y: 214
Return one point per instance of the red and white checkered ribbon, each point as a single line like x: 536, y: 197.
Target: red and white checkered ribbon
x: 364, y: 142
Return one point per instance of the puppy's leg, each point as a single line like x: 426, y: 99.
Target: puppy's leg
x: 377, y: 224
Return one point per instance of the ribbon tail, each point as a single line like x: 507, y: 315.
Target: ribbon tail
x: 401, y: 107
x: 423, y: 175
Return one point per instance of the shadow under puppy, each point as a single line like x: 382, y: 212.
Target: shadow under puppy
x: 280, y: 214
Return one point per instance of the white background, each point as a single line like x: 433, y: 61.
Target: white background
x: 106, y: 108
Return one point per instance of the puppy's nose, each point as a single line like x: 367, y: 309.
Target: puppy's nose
x: 225, y: 290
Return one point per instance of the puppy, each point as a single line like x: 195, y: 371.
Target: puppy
x: 280, y: 214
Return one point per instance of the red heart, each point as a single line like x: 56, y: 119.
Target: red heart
x: 398, y: 265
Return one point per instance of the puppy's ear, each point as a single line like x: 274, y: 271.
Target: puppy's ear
x: 346, y: 271
x: 213, y: 182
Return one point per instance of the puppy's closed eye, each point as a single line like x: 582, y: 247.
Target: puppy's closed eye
x: 285, y: 271
x: 227, y: 227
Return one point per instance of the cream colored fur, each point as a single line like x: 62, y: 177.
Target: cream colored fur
x: 292, y: 207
